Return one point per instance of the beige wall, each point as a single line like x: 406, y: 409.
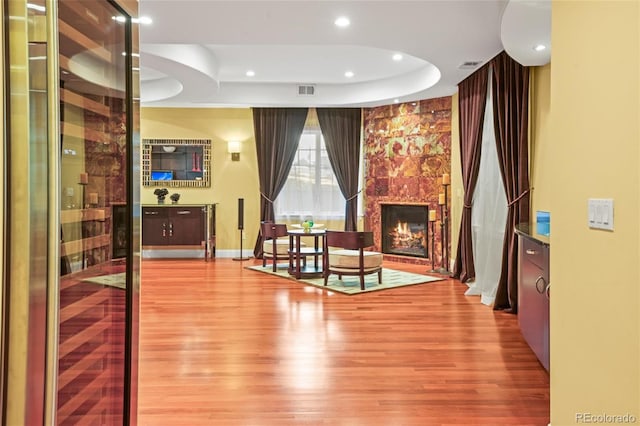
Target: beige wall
x: 540, y: 141
x: 230, y: 180
x: 592, y: 150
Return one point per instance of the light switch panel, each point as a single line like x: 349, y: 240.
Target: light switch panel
x: 600, y: 213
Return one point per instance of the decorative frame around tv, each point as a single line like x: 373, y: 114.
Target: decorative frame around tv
x: 189, y: 163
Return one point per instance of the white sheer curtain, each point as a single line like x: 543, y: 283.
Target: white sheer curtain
x: 311, y: 191
x: 489, y: 215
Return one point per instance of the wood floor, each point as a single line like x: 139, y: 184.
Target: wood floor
x: 223, y: 345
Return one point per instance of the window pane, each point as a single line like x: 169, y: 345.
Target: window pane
x: 311, y: 189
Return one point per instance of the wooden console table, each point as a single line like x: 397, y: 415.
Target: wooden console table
x: 174, y: 226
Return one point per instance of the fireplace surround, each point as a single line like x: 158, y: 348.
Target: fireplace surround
x: 404, y: 229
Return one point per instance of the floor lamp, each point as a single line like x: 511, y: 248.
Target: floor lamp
x: 241, y: 227
x: 432, y: 223
x: 444, y: 224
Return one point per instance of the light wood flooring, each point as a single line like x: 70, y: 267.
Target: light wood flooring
x: 223, y: 345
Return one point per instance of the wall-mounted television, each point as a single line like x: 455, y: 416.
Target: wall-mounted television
x: 161, y: 174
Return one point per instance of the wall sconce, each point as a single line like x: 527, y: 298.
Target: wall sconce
x: 234, y: 149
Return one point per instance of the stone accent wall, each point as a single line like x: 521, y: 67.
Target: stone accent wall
x: 407, y: 149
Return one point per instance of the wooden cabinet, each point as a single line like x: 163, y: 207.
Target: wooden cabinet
x: 533, y: 294
x: 181, y: 226
x: 154, y: 226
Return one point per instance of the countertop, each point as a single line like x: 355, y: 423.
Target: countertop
x: 528, y: 230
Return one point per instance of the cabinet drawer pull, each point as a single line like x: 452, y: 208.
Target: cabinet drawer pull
x: 184, y: 212
x: 151, y: 213
x: 538, y: 289
x: 529, y: 251
x: 164, y: 229
x: 546, y: 290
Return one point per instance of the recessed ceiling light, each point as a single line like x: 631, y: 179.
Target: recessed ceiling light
x: 539, y: 47
x: 414, y: 103
x: 342, y: 22
x: 397, y: 57
x: 349, y: 74
x: 250, y: 73
x: 396, y: 100
x: 36, y: 7
x: 144, y: 20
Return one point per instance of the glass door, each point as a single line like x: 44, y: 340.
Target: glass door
x: 94, y: 59
x: 70, y: 212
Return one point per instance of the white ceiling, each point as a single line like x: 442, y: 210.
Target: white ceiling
x: 196, y: 53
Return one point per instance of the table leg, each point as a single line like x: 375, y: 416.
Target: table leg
x: 298, y: 271
x: 291, y: 254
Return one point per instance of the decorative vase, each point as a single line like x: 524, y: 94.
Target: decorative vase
x: 160, y: 200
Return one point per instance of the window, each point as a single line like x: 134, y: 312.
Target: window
x: 311, y: 190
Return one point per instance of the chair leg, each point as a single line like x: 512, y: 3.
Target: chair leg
x: 380, y: 276
x: 264, y: 260
x: 326, y: 277
x: 362, y: 282
x: 275, y: 262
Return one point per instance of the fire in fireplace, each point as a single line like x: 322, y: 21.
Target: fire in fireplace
x: 404, y: 230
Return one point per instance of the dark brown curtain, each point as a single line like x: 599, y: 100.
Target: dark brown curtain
x: 277, y: 132
x: 472, y: 99
x: 511, y: 112
x: 341, y: 130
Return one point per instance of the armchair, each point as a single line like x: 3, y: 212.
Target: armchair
x: 348, y: 257
x: 272, y: 247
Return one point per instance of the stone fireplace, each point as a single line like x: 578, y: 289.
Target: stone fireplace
x: 407, y: 149
x: 404, y: 229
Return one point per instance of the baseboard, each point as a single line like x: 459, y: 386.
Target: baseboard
x: 228, y: 254
x: 173, y: 254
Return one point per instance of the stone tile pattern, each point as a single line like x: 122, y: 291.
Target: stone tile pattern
x: 407, y: 148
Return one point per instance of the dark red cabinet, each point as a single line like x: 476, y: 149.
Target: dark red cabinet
x: 174, y: 226
x: 533, y: 295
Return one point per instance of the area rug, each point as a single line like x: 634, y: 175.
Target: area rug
x: 112, y: 280
x: 350, y: 285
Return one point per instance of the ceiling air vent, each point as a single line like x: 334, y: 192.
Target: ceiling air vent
x: 306, y: 90
x: 469, y: 65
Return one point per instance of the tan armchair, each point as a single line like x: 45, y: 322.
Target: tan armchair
x: 345, y: 254
x: 273, y: 247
